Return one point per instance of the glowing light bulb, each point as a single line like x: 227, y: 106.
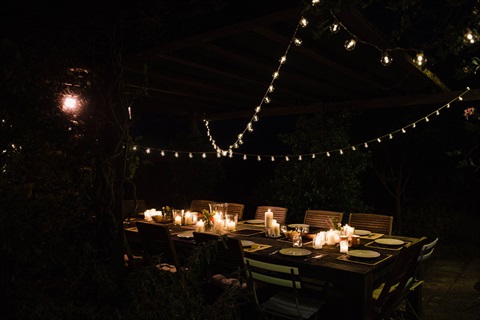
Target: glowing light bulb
x: 134, y: 148
x: 420, y: 59
x: 240, y: 141
x: 249, y: 127
x: 240, y: 136
x: 379, y: 140
x: 272, y: 158
x: 426, y: 119
x: 162, y: 153
x: 244, y: 157
x: 448, y: 105
x: 176, y: 154
x: 313, y: 156
x: 460, y: 98
x: 350, y: 44
x: 255, y: 118
x: 403, y: 130
x: 259, y: 158
x: 271, y: 88
x: 287, y: 158
x: 353, y: 148
x: 267, y: 100
x: 341, y: 151
x: 300, y: 158
x: 235, y: 145
x: 365, y: 145
x: 386, y: 60
x: 204, y: 155
x: 315, y: 2
x: 276, y: 74
x: 414, y: 125
x: 148, y: 150
x: 335, y: 27
x: 297, y: 41
x: 303, y: 22
x: 190, y: 155
x: 257, y: 109
x: 328, y: 154
x: 437, y: 113
x: 283, y: 59
x: 390, y: 136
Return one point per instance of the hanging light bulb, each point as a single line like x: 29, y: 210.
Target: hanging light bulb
x: 272, y: 158
x: 403, y: 130
x: 134, y: 148
x: 249, y: 127
x: 426, y: 119
x: 148, y: 150
x: 300, y: 158
x: 190, y: 155
x: 379, y: 140
x: 437, y: 113
x: 271, y: 88
x: 259, y: 158
x: 244, y: 157
x: 257, y: 109
x: 276, y: 74
x: 303, y: 22
x: 390, y: 136
x: 297, y: 41
x: 255, y: 118
x: 204, y: 155
x: 350, y: 44
x: 353, y: 148
x: 341, y: 151
x: 313, y: 156
x: 365, y: 145
x: 448, y: 105
x: 315, y: 2
x: 386, y: 60
x: 460, y: 98
x: 335, y: 27
x: 328, y: 154
x: 176, y: 154
x: 287, y: 158
x: 469, y: 37
x: 162, y: 153
x: 267, y: 100
x: 420, y: 59
x: 283, y: 59
x: 414, y: 125
x: 235, y: 145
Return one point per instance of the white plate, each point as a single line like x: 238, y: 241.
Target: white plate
x: 362, y: 232
x: 389, y: 242
x: 364, y: 254
x: 255, y: 221
x: 296, y: 252
x: 185, y: 234
x: 295, y: 225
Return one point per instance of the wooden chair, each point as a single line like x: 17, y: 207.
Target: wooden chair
x: 376, y: 223
x: 157, y: 242
x: 199, y: 205
x: 279, y: 213
x: 390, y: 293
x: 228, y: 258
x: 236, y: 208
x: 318, y: 218
x: 418, y: 280
x: 289, y: 301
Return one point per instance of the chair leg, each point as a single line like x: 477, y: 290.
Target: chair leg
x: 411, y: 309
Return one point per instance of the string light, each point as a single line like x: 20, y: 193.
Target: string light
x: 420, y: 59
x: 386, y: 60
x: 335, y: 27
x: 350, y: 44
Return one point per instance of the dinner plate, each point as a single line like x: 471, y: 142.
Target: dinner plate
x: 295, y: 252
x: 255, y: 221
x: 247, y: 243
x: 185, y: 234
x: 295, y: 225
x: 389, y: 242
x: 362, y: 232
x: 364, y: 254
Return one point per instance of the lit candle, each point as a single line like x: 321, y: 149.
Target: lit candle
x: 178, y: 220
x: 188, y: 218
x: 268, y: 219
x: 276, y: 228
x: 337, y: 236
x: 330, y: 237
x: 231, y: 225
x: 194, y: 218
x: 349, y: 230
x: 318, y: 241
x: 344, y: 246
x: 218, y: 224
x: 200, y: 226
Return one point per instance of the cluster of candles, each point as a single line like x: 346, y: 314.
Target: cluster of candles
x: 221, y: 222
x: 344, y: 237
x: 271, y: 225
x: 184, y: 218
x: 151, y: 213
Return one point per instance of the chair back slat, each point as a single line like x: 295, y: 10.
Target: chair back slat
x: 279, y: 213
x: 428, y: 249
x: 236, y: 208
x: 199, y: 205
x: 376, y: 223
x: 157, y: 241
x: 319, y: 218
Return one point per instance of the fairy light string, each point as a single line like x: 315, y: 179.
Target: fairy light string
x: 299, y: 157
x: 303, y: 22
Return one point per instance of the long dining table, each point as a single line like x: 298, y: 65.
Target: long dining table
x: 353, y: 280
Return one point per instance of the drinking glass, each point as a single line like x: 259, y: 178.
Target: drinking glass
x: 297, y: 240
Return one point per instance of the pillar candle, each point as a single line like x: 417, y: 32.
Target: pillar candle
x: 188, y: 218
x: 330, y: 237
x: 268, y: 219
x: 344, y: 246
x: 178, y: 220
x: 276, y: 228
x: 200, y: 226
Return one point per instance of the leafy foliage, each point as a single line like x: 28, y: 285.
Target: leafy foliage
x: 330, y: 183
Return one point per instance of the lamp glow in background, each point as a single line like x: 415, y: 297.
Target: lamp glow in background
x: 70, y: 104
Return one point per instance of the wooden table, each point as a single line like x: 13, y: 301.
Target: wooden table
x: 354, y: 280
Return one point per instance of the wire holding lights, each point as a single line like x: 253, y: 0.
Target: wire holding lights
x: 299, y: 157
x: 303, y: 22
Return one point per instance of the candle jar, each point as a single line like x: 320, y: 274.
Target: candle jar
x: 297, y: 240
x: 231, y: 222
x: 355, y: 240
x: 318, y: 241
x: 344, y: 246
x: 177, y: 217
